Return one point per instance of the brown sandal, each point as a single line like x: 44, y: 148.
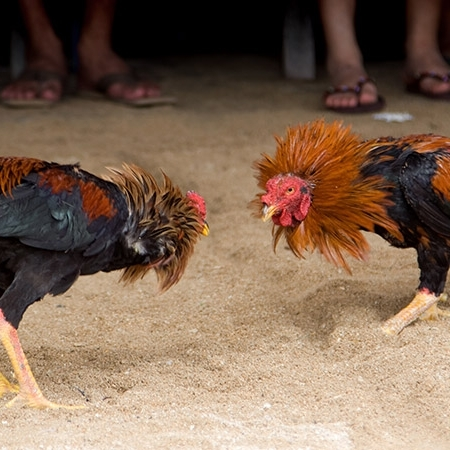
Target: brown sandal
x: 359, y: 108
x: 413, y: 85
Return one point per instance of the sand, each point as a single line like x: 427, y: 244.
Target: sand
x: 252, y: 349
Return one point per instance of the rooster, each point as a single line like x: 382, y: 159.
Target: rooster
x: 58, y: 222
x: 325, y: 185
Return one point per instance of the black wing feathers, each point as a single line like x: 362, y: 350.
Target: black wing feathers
x: 62, y: 208
x: 431, y: 205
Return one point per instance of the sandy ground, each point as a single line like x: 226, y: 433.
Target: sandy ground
x: 252, y: 349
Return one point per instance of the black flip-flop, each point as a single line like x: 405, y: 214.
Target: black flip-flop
x: 38, y: 76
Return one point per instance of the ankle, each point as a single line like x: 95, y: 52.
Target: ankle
x: 46, y: 55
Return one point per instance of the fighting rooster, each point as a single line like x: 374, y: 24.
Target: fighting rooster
x: 325, y: 185
x: 58, y: 222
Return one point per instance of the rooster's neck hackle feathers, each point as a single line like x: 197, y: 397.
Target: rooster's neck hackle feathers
x: 329, y: 158
x: 140, y: 189
x: 163, y: 212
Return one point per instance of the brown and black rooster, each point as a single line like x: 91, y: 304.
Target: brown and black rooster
x: 58, y: 222
x: 325, y: 185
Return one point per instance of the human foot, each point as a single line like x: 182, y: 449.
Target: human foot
x: 429, y: 76
x: 34, y: 88
x: 433, y: 81
x: 110, y: 76
x: 44, y: 78
x: 430, y: 84
x: 352, y: 91
x: 41, y: 83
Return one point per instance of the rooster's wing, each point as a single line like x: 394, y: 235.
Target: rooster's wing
x: 61, y: 208
x: 426, y: 186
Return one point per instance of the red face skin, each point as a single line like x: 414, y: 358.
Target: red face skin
x: 199, y: 204
x: 287, y: 200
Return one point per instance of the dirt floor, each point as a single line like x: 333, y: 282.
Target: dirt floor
x: 252, y: 349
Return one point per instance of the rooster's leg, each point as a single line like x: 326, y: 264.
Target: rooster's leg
x: 422, y: 306
x: 433, y: 313
x: 28, y: 390
x: 6, y: 386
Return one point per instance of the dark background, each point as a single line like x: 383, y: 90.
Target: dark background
x: 149, y: 29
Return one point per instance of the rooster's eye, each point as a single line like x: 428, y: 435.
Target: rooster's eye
x: 290, y: 190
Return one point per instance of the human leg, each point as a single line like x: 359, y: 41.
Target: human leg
x: 444, y: 30
x: 344, y: 60
x: 43, y: 78
x: 426, y: 70
x: 100, y: 68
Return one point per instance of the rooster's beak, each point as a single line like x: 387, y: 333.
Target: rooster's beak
x: 205, y: 230
x: 268, y: 212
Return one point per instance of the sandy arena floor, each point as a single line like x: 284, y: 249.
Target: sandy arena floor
x: 252, y: 349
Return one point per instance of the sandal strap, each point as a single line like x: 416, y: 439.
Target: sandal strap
x: 445, y: 78
x: 353, y: 89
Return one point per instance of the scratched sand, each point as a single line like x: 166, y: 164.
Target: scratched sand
x: 251, y: 350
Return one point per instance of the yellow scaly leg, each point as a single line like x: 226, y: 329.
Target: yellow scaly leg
x: 433, y: 312
x: 28, y: 391
x: 6, y: 386
x: 423, y: 301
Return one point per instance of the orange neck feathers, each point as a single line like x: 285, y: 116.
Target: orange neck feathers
x: 328, y: 157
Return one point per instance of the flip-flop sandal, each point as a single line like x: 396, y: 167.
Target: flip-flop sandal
x: 413, y: 85
x: 359, y: 108
x: 100, y: 91
x: 38, y: 76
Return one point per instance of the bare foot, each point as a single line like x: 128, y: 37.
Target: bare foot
x: 429, y: 64
x: 344, y: 80
x: 42, y: 80
x: 105, y: 65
